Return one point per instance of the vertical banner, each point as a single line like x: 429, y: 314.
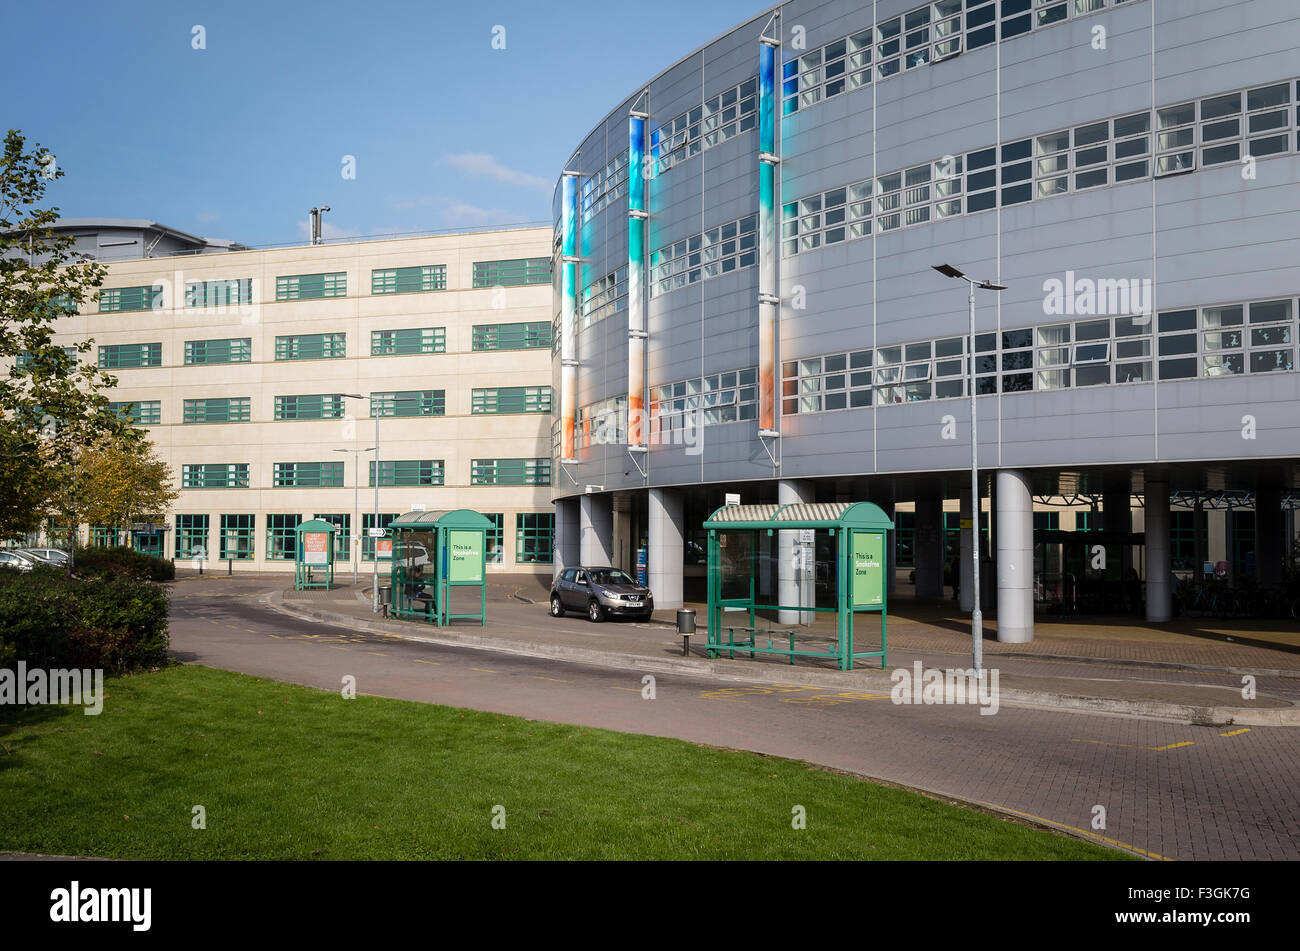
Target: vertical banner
x: 636, y: 219
x: 568, y: 312
x: 767, y: 299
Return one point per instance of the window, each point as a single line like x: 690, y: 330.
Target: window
x: 408, y: 472
x: 103, y: 537
x: 409, y: 280
x: 721, y: 250
x: 704, y: 401
x: 217, y: 410
x: 534, y: 537
x: 281, y: 537
x: 310, y: 475
x: 511, y: 399
x: 311, y: 347
x: 367, y: 523
x: 234, y: 350
x: 311, y: 286
x: 223, y: 475
x: 512, y: 273
x: 495, y: 538
x: 604, y: 187
x: 1182, y: 540
x: 25, y: 358
x: 510, y: 472
x: 603, y: 297
x: 237, y: 534
x: 409, y: 403
x: 148, y: 543
x: 129, y: 355
x: 141, y: 413
x: 218, y: 293
x: 702, y: 127
x: 602, y: 423
x: 343, y: 535
x: 525, y: 336
x: 192, y: 536
x: 114, y: 300
x: 390, y: 343
x: 322, y: 406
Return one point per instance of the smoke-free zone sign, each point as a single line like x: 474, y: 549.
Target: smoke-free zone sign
x: 868, y: 569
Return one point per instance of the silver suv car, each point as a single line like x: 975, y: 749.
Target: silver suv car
x: 600, y: 592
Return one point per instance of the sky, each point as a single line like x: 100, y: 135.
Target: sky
x: 239, y: 138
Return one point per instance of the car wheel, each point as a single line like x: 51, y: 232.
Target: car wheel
x: 595, y: 612
x: 557, y: 606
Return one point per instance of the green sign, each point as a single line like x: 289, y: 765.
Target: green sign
x: 465, y: 562
x: 868, y: 569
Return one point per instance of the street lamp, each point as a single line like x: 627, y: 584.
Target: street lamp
x: 356, y: 505
x: 976, y: 618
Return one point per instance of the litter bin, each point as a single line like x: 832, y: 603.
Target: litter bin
x: 686, y: 621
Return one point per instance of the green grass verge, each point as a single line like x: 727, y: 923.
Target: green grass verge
x: 288, y: 772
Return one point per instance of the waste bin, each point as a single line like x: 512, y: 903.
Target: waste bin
x: 686, y: 621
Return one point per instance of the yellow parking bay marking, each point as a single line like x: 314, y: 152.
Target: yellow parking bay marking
x: 1235, y: 733
x: 1132, y: 746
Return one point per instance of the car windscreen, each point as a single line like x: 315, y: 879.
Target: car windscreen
x: 613, y: 576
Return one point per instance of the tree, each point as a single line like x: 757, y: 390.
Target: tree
x: 50, y: 402
x: 114, y: 484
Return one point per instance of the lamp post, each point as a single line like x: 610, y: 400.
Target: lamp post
x: 976, y: 618
x: 356, y: 505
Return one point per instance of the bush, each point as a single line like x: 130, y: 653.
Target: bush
x: 122, y: 560
x: 36, y: 616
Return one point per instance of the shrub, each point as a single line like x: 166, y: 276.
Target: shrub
x: 124, y: 561
x: 37, y: 614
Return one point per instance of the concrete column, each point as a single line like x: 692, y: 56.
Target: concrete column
x: 1155, y: 526
x: 1015, y: 561
x: 927, y: 545
x: 596, y: 517
x: 965, y: 544
x: 667, y: 525
x: 1268, y: 536
x: 566, y: 534
x: 794, y: 586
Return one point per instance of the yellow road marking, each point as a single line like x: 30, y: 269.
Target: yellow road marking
x: 1235, y: 733
x: 635, y: 689
x: 436, y: 663
x: 552, y: 679
x: 377, y: 653
x: 277, y: 636
x: 336, y: 647
x: 484, y: 669
x: 1091, y: 835
x: 1132, y: 746
x: 1172, y: 746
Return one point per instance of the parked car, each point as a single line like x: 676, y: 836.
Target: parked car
x: 12, y: 559
x: 600, y: 592
x: 50, y: 556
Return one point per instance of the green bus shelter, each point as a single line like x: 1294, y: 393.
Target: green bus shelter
x: 841, y: 552
x: 314, y: 559
x: 435, y: 553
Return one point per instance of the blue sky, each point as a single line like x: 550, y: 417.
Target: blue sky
x: 239, y: 139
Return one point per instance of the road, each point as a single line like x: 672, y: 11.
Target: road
x: 1169, y: 790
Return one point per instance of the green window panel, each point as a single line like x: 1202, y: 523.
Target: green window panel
x: 113, y: 300
x: 314, y: 406
x: 233, y: 350
x: 238, y: 537
x: 311, y: 347
x: 281, y: 537
x: 905, y: 538
x: 533, y: 335
x: 534, y: 537
x: 511, y: 399
x: 220, y: 475
x: 104, y: 537
x: 390, y: 343
x: 311, y: 286
x: 342, y: 538
x: 409, y: 472
x: 218, y: 293
x: 1182, y: 540
x: 308, y: 475
x: 140, y: 413
x: 409, y: 403
x: 368, y: 522
x: 192, y: 536
x: 25, y: 358
x: 495, y: 538
x: 514, y: 273
x: 510, y: 472
x: 148, y: 543
x: 218, y: 410
x: 409, y: 280
x: 128, y: 355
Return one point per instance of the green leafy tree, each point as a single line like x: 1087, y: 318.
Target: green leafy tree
x: 50, y: 402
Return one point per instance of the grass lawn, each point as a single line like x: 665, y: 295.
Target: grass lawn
x: 289, y: 772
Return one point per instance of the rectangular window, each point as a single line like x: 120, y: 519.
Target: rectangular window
x: 113, y: 300
x: 391, y: 343
x: 311, y: 286
x: 512, y: 273
x: 342, y: 537
x: 495, y: 538
x: 408, y: 472
x: 511, y: 399
x: 524, y: 336
x: 367, y: 523
x: 510, y: 472
x: 409, y: 280
x: 237, y: 535
x: 316, y: 406
x: 221, y: 475
x: 281, y: 537
x: 217, y: 410
x: 409, y: 403
x: 233, y: 350
x: 141, y: 413
x: 218, y: 293
x: 128, y: 355
x: 534, y: 537
x: 102, y: 537
x: 311, y: 347
x: 308, y: 475
x: 192, y: 536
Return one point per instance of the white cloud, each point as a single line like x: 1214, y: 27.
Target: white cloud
x: 481, y: 164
